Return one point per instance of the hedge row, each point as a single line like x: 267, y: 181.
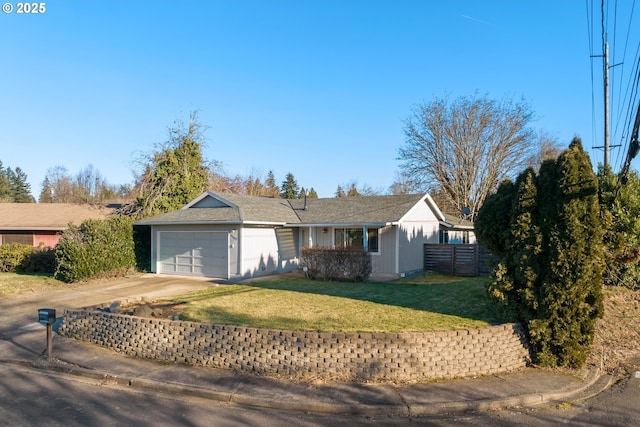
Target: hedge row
x: 26, y: 258
x: 337, y: 264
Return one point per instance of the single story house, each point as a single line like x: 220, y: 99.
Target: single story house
x: 454, y: 230
x: 232, y: 236
x: 40, y: 224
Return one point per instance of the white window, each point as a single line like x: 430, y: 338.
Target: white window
x: 454, y: 237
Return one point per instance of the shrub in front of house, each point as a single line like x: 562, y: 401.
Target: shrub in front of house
x: 12, y: 255
x: 95, y: 249
x: 40, y: 260
x: 26, y: 259
x: 352, y: 265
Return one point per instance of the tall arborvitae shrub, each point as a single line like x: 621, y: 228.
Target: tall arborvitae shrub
x: 97, y: 248
x: 493, y: 222
x: 551, y: 257
x: 571, y: 297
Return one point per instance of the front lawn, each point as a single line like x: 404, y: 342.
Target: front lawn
x: 22, y: 283
x: 428, y: 303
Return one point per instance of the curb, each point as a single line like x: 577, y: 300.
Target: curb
x: 595, y: 383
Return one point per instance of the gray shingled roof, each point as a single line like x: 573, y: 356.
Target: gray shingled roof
x: 453, y: 221
x: 194, y: 216
x: 355, y: 210
x: 253, y: 209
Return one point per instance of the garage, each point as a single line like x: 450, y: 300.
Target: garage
x: 194, y: 253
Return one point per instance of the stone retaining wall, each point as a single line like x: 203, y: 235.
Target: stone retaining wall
x: 392, y: 356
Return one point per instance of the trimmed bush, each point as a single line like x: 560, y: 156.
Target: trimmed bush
x: 353, y: 265
x: 97, y: 248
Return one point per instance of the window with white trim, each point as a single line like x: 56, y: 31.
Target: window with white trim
x: 454, y: 237
x: 354, y: 238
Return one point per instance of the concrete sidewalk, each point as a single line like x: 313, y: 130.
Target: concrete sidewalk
x: 526, y: 388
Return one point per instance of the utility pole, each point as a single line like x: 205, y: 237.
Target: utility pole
x: 606, y: 103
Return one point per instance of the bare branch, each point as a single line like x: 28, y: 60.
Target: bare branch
x: 465, y: 148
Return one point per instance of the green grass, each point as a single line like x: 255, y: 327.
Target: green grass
x: 22, y: 283
x: 428, y: 303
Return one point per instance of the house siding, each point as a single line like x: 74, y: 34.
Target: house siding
x: 35, y: 238
x: 419, y: 226
x: 385, y: 260
x: 46, y: 239
x: 267, y: 251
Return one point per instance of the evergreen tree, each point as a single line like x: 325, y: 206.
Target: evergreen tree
x: 14, y: 187
x: 271, y: 187
x: 551, y: 257
x: 492, y: 225
x: 176, y: 174
x: 526, y: 246
x: 289, y: 188
x: 570, y: 295
x: 5, y: 185
x: 46, y: 194
x: 312, y: 194
x: 21, y: 189
x: 340, y: 192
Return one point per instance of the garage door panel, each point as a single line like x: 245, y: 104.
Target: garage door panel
x: 194, y: 253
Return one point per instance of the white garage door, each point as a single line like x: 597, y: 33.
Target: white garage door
x: 194, y: 253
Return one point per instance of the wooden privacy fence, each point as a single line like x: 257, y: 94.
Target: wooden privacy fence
x: 457, y: 260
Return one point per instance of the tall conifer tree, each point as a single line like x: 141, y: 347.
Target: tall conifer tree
x: 551, y: 257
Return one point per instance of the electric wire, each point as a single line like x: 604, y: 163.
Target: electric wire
x: 628, y: 100
x: 622, y: 115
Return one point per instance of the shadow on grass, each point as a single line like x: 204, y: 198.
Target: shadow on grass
x: 454, y: 296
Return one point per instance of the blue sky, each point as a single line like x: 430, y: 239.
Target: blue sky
x: 316, y: 88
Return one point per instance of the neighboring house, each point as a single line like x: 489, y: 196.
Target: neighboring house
x: 456, y: 231
x: 232, y: 236
x: 40, y: 224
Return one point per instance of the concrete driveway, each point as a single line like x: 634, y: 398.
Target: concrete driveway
x: 20, y: 312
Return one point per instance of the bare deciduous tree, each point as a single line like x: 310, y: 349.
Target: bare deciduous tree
x: 87, y: 186
x: 465, y: 148
x: 548, y: 148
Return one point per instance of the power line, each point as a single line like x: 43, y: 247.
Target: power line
x: 619, y: 118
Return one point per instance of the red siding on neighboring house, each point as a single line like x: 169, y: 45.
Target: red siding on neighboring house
x: 40, y: 224
x: 46, y: 239
x: 36, y: 238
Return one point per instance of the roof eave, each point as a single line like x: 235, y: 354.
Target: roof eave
x: 456, y: 226
x: 209, y: 223
x: 34, y: 228
x: 344, y: 224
